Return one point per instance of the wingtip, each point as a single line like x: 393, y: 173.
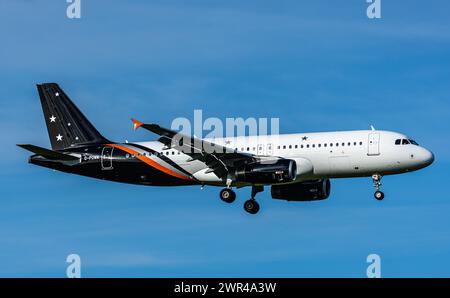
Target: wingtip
x: 136, y: 123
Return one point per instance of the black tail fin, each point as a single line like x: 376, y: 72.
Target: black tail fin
x: 66, y: 125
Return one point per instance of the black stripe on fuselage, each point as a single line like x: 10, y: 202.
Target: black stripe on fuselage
x: 124, y: 170
x: 164, y: 158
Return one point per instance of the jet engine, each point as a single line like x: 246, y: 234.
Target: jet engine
x: 267, y: 172
x: 303, y: 191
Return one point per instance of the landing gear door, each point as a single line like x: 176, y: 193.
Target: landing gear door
x: 374, y: 144
x: 106, y: 160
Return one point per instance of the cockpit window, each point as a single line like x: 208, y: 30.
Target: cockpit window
x: 405, y: 142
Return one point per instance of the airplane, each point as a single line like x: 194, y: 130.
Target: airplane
x: 297, y: 167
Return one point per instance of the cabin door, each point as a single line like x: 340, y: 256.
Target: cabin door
x: 107, y: 158
x: 374, y: 144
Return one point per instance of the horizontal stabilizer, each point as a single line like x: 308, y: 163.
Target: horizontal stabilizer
x: 50, y: 154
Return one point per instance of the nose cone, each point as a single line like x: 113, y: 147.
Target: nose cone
x: 427, y: 157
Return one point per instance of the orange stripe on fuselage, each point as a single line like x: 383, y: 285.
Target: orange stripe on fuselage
x: 149, y: 161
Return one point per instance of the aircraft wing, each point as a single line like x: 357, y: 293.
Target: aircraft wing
x: 218, y: 158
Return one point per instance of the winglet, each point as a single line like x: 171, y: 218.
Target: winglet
x: 136, y: 123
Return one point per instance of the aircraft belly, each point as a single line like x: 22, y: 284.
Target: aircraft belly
x: 193, y: 166
x: 203, y: 176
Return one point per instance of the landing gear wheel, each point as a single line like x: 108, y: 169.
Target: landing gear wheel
x: 379, y: 195
x: 227, y: 195
x: 251, y: 206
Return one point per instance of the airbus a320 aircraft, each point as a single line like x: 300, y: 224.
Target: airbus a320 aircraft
x: 297, y: 167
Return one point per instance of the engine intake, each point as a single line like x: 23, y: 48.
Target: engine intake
x: 303, y: 191
x: 279, y: 171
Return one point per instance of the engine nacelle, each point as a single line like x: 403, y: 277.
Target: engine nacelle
x: 303, y: 191
x: 279, y: 171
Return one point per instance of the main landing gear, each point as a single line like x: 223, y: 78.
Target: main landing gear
x: 227, y: 195
x: 251, y: 206
x: 379, y: 195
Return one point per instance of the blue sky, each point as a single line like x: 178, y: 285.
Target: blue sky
x: 316, y: 65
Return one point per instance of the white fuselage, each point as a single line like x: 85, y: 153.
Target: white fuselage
x: 318, y: 155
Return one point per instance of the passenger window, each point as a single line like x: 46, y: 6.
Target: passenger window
x: 296, y: 146
x: 290, y: 146
x: 331, y: 144
x: 278, y: 147
x: 284, y: 146
x: 320, y: 145
x: 360, y: 143
x: 337, y: 144
x: 314, y: 145
x: 307, y: 146
x: 301, y: 146
x: 325, y: 144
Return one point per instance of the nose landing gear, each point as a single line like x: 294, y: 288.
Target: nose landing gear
x: 252, y: 206
x: 379, y: 195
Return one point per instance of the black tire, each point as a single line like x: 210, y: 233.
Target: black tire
x: 227, y: 195
x: 379, y: 195
x: 251, y: 206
